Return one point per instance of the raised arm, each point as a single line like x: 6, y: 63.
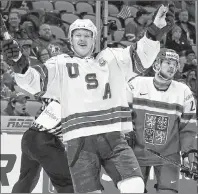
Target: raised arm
x: 35, y: 80
x: 148, y: 47
x: 137, y: 58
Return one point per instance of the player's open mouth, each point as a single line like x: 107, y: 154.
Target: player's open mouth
x: 82, y: 45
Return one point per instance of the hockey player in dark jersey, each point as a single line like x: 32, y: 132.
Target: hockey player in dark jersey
x: 165, y: 121
x: 94, y: 107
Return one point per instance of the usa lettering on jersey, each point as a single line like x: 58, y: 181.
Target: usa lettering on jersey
x: 90, y: 78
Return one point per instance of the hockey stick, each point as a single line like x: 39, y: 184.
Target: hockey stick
x: 194, y: 174
x: 4, y: 31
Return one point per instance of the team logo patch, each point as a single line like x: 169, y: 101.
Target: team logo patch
x: 54, y: 49
x: 155, y: 129
x: 102, y: 62
x: 171, y: 55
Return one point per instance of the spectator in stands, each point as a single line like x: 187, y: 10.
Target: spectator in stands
x: 14, y: 25
x: 191, y: 80
x: 136, y: 28
x: 190, y: 7
x: 5, y: 91
x: 175, y: 42
x: 43, y: 55
x: 28, y: 33
x: 46, y: 40
x: 16, y: 105
x: 191, y: 61
x: 21, y: 4
x: 26, y: 45
x: 30, y: 26
x: 188, y: 29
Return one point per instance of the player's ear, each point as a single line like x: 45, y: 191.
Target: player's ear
x: 156, y: 65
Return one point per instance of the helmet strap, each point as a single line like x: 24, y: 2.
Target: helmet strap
x: 160, y: 82
x: 161, y: 76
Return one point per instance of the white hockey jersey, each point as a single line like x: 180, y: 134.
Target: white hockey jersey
x: 92, y: 92
x: 164, y: 121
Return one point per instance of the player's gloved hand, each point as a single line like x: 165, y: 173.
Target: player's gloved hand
x: 163, y: 22
x: 12, y: 51
x: 189, y: 159
x: 131, y: 138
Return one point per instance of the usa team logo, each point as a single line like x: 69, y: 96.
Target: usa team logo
x: 102, y: 62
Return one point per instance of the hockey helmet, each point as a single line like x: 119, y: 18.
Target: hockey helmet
x: 165, y: 54
x: 86, y: 24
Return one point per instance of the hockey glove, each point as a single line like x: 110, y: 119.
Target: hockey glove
x: 11, y: 51
x: 190, y: 160
x: 163, y: 22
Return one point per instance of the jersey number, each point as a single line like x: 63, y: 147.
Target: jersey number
x: 90, y: 79
x: 192, y: 106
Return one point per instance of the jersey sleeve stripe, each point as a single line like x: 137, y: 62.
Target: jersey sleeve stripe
x: 43, y: 71
x: 137, y: 64
x: 188, y: 116
x: 46, y: 78
x: 188, y: 121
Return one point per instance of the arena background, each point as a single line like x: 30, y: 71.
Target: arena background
x: 12, y: 128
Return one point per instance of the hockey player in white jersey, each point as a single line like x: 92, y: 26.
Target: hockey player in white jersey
x: 94, y: 107
x: 165, y: 121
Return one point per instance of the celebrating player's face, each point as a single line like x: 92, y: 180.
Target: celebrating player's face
x: 82, y: 41
x: 168, y: 68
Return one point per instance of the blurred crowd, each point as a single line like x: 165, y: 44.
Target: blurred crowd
x: 41, y: 27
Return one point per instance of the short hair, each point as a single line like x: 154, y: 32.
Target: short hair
x: 182, y: 10
x: 43, y: 24
x: 15, y: 12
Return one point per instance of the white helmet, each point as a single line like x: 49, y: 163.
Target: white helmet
x: 86, y: 24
